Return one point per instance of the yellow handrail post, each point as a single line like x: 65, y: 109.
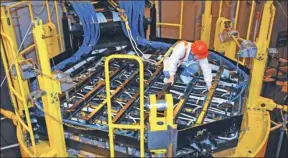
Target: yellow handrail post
x: 180, y: 25
x: 22, y: 96
x: 181, y: 19
x: 250, y: 20
x: 220, y: 9
x: 51, y: 103
x: 7, y: 30
x: 58, y: 25
x: 237, y: 14
x: 111, y: 125
x: 48, y: 10
x: 206, y: 23
x: 30, y: 11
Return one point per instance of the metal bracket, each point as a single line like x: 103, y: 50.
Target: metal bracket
x: 272, y: 51
x: 27, y: 68
x: 248, y: 49
x: 36, y: 94
x: 65, y: 80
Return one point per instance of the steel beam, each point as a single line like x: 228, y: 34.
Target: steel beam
x: 209, y: 97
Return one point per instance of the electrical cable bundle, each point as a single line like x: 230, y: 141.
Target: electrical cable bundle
x: 134, y: 11
x: 88, y: 17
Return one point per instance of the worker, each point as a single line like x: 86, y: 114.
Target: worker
x: 190, y: 56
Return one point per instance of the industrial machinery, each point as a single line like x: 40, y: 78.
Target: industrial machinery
x: 104, y: 95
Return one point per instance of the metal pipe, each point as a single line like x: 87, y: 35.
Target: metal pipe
x: 181, y: 19
x: 271, y: 22
x: 27, y: 49
x: 30, y: 11
x: 209, y: 97
x: 281, y: 135
x: 250, y: 20
x: 169, y: 24
x: 58, y: 24
x: 16, y: 4
x: 185, y: 96
x: 220, y: 9
x: 9, y: 146
x: 48, y: 10
x: 256, y: 26
x: 276, y: 127
x: 236, y: 16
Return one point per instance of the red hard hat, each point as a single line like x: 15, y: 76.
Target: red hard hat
x: 199, y: 49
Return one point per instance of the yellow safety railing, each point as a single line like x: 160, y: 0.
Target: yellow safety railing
x: 220, y: 9
x: 58, y: 25
x: 111, y: 125
x: 250, y: 20
x: 21, y: 97
x: 55, y: 3
x: 180, y: 25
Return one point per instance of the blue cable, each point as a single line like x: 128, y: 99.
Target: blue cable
x: 89, y: 20
x: 96, y: 22
x: 91, y: 31
x: 135, y: 11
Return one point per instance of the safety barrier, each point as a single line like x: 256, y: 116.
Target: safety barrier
x: 111, y: 125
x: 20, y: 96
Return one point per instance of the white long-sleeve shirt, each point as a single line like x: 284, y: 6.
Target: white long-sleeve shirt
x: 171, y: 63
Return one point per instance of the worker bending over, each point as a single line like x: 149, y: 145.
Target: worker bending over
x: 190, y: 56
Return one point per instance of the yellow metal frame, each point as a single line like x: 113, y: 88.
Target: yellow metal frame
x: 209, y: 97
x: 111, y: 125
x: 51, y: 102
x: 56, y: 137
x: 153, y: 118
x: 257, y: 119
x: 230, y: 47
x: 206, y: 23
x: 168, y: 120
x: 55, y: 3
x: 180, y: 25
x: 19, y: 94
x: 51, y: 39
